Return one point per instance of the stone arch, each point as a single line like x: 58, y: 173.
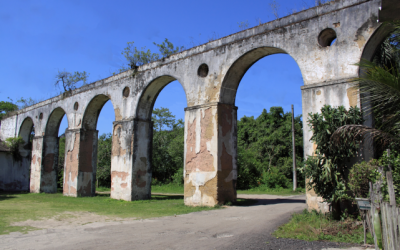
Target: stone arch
x: 54, y: 121
x: 239, y: 68
x: 379, y: 35
x: 50, y: 153
x: 149, y: 96
x: 26, y: 129
x: 92, y: 111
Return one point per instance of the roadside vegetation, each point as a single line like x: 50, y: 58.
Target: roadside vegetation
x: 339, y: 134
x: 314, y: 226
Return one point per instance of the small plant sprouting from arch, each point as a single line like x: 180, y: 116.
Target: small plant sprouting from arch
x: 13, y: 144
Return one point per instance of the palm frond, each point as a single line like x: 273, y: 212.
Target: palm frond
x: 363, y: 133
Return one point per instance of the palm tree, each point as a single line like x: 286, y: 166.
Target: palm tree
x: 380, y: 87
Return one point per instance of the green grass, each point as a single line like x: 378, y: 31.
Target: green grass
x: 16, y: 207
x: 313, y: 226
x: 167, y: 189
x: 272, y: 191
x: 178, y: 189
x: 102, y: 189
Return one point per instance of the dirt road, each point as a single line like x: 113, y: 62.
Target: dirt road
x: 229, y: 228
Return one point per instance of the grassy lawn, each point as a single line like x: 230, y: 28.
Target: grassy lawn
x: 272, y: 191
x: 312, y: 226
x: 16, y: 207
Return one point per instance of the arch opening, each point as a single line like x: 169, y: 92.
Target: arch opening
x: 372, y: 52
x: 52, y: 172
x: 96, y: 144
x: 22, y: 163
x: 236, y: 72
x: 264, y: 83
x: 162, y: 105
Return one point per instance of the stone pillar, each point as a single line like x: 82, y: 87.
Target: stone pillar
x: 80, y: 162
x: 131, y: 160
x: 314, y: 97
x: 36, y: 163
x: 48, y: 182
x: 210, y: 154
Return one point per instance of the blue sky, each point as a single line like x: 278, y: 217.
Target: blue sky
x: 41, y: 37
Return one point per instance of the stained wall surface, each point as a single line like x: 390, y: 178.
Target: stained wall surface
x: 210, y: 75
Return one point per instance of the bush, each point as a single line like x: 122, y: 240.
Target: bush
x: 394, y: 161
x: 327, y: 170
x: 275, y: 178
x: 13, y: 143
x: 177, y: 178
x: 360, y: 176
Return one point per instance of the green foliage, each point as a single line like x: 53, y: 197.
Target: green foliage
x: 13, y: 143
x: 137, y: 57
x: 162, y: 118
x: 61, y: 158
x: 6, y: 107
x: 243, y: 25
x: 313, y: 226
x: 104, y: 148
x: 275, y: 178
x: 26, y: 102
x: 394, y: 160
x: 68, y: 80
x: 265, y: 149
x: 167, y: 48
x: 168, y: 147
x: 327, y: 170
x: 140, y: 57
x: 361, y: 174
x: 379, y: 85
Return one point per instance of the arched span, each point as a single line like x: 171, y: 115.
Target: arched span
x: 26, y: 129
x: 239, y: 68
x: 92, y: 111
x: 54, y: 121
x: 149, y: 96
x: 375, y: 40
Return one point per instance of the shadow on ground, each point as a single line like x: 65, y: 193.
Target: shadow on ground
x: 240, y: 201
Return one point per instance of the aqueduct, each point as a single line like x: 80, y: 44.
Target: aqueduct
x: 210, y: 75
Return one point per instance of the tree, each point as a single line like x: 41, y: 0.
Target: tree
x: 162, y: 118
x: 168, y: 147
x: 68, y: 80
x: 167, y: 48
x: 140, y: 57
x: 265, y: 149
x: 26, y: 102
x: 6, y: 107
x: 327, y: 171
x: 380, y: 87
x: 137, y: 57
x: 104, y: 148
x: 61, y: 158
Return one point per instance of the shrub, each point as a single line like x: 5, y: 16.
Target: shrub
x: 360, y: 176
x: 13, y: 143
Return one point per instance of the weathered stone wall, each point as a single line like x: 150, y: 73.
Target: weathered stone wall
x: 14, y: 175
x: 210, y: 75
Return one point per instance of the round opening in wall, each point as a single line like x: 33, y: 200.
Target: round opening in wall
x: 327, y: 37
x: 41, y: 116
x: 203, y: 70
x: 76, y: 106
x: 125, y: 92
